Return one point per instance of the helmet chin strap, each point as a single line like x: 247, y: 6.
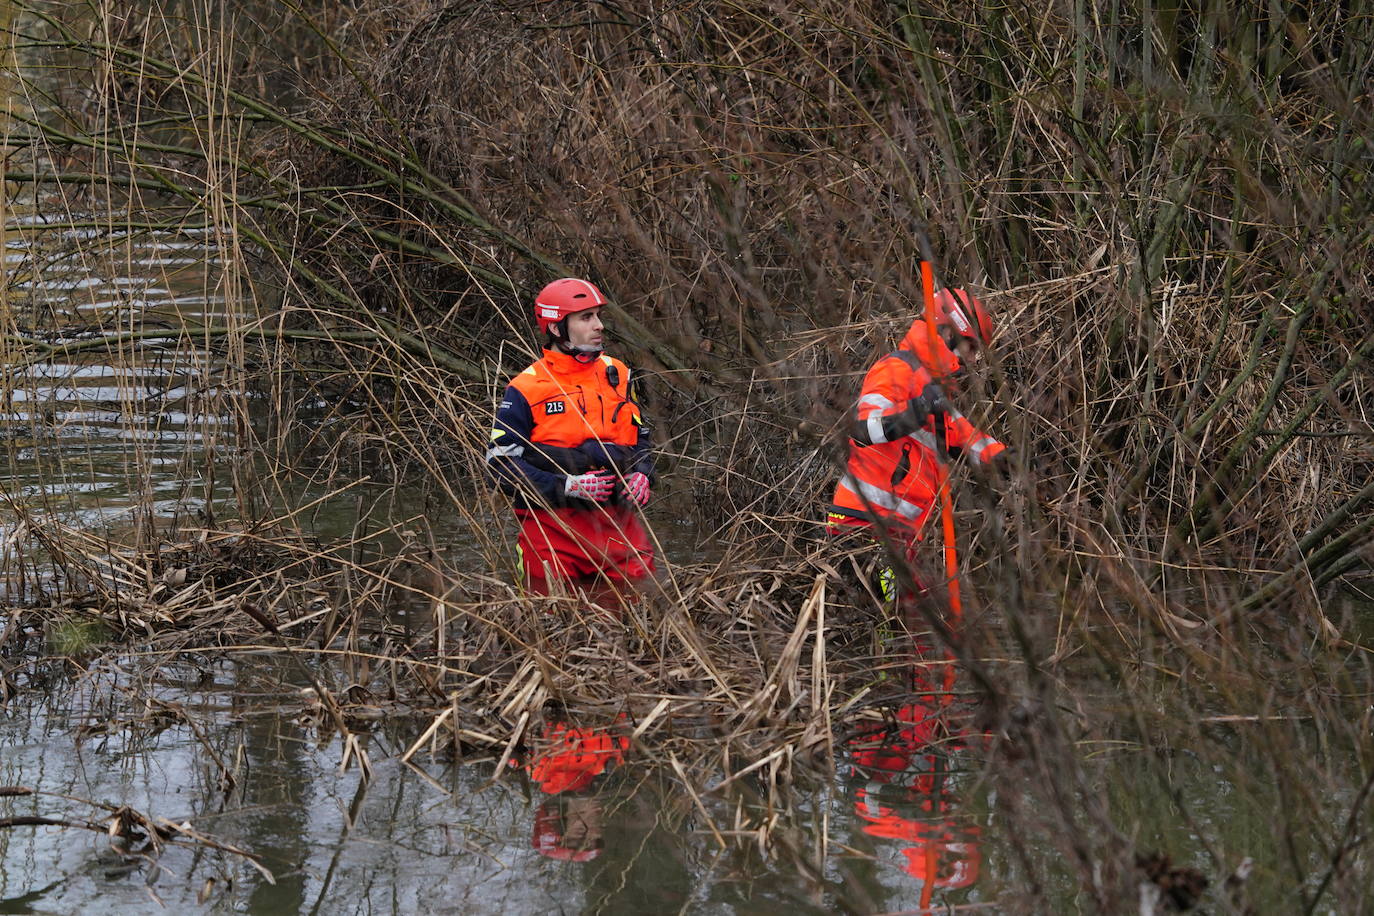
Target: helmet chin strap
x: 581, y: 354
x: 584, y: 354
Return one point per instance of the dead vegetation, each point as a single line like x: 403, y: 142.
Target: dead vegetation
x: 1168, y: 217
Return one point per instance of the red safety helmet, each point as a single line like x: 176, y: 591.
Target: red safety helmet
x: 561, y: 298
x: 958, y: 309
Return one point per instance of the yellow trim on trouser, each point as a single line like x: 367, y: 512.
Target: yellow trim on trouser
x: 887, y: 583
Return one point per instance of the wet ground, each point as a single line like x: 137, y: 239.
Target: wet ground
x: 428, y: 836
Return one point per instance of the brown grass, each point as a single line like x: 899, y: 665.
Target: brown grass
x: 1168, y: 217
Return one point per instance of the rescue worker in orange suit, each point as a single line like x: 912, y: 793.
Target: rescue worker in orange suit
x: 903, y: 429
x: 571, y: 448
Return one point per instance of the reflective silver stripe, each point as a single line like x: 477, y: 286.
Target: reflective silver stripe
x: 875, y: 429
x: 954, y: 414
x: 881, y: 498
x: 976, y: 449
x: 923, y: 437
x: 505, y: 451
x: 876, y: 400
x: 593, y: 292
x: 875, y: 420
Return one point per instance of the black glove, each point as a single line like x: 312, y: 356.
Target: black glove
x: 931, y: 400
x: 999, y: 468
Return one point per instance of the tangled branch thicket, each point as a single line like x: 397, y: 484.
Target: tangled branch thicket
x: 1167, y: 211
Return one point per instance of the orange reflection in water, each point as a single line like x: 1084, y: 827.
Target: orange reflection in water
x: 908, y: 796
x: 567, y: 759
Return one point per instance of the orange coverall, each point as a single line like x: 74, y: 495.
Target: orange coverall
x: 560, y: 417
x: 892, y: 477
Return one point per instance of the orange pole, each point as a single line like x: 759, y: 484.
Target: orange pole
x: 956, y: 607
x: 932, y: 864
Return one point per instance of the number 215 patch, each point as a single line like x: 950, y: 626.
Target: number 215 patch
x: 552, y: 407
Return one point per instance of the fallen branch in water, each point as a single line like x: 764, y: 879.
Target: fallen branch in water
x: 37, y: 821
x: 127, y: 824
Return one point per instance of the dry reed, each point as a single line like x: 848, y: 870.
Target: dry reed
x: 1165, y: 208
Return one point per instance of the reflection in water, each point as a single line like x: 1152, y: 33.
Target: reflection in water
x: 568, y: 826
x: 630, y: 843
x: 905, y: 792
x: 613, y: 838
x: 281, y: 802
x: 569, y: 758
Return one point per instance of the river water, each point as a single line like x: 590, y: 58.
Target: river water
x: 914, y: 831
x: 455, y: 842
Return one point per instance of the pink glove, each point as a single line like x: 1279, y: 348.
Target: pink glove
x: 594, y: 485
x: 637, y: 488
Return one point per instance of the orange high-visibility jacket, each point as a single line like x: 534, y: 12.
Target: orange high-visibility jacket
x: 560, y: 417
x: 893, y: 475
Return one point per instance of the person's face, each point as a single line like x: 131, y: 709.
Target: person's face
x: 963, y: 347
x: 584, y: 328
